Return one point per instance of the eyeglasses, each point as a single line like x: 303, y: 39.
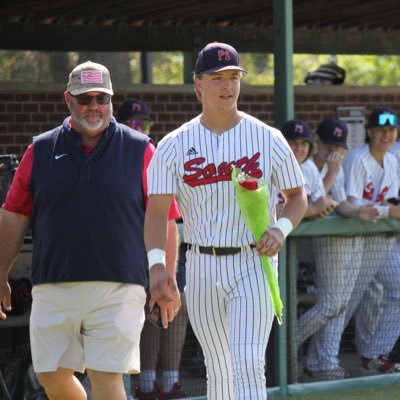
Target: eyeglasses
x: 143, y: 124
x: 85, y: 99
x: 387, y: 119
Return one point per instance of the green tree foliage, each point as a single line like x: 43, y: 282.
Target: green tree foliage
x: 167, y: 67
x: 361, y: 70
x: 34, y: 66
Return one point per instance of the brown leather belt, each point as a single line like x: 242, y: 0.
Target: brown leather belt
x: 220, y: 251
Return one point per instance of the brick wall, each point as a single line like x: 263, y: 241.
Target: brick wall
x: 26, y: 111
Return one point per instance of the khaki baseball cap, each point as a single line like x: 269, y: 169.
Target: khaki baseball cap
x: 88, y: 77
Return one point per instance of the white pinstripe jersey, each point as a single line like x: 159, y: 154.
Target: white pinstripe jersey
x: 338, y: 191
x: 366, y: 180
x: 195, y: 164
x: 313, y: 186
x: 395, y: 149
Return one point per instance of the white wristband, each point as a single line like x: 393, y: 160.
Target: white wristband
x: 156, y: 256
x: 384, y: 210
x: 284, y: 225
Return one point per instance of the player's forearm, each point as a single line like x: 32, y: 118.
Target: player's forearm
x: 348, y: 210
x: 295, y: 205
x: 328, y: 181
x: 171, y: 255
x: 156, y: 220
x: 311, y: 211
x: 12, y: 231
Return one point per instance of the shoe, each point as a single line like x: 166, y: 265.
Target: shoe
x: 327, y: 375
x: 378, y: 365
x: 140, y: 395
x: 175, y: 393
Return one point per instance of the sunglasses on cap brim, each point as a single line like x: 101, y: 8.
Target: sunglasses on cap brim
x: 387, y: 120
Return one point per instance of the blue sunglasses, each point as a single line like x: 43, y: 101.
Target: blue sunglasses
x: 387, y: 119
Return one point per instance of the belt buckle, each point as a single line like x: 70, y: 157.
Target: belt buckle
x: 213, y: 251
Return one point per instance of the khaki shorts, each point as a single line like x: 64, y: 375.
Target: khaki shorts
x: 93, y: 325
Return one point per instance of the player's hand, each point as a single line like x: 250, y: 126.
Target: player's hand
x: 5, y: 298
x: 334, y: 161
x: 369, y: 213
x: 164, y: 291
x: 329, y: 206
x: 326, y: 205
x: 170, y: 310
x: 270, y: 243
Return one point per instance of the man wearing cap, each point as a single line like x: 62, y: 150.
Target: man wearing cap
x: 334, y: 256
x: 372, y: 176
x: 299, y: 136
x: 82, y: 186
x: 135, y: 114
x: 229, y: 305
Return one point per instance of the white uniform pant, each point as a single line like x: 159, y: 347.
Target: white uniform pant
x: 337, y: 261
x: 378, y: 316
x: 323, y: 352
x: 231, y: 313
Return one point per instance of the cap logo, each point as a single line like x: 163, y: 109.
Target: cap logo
x: 136, y: 107
x: 91, y: 76
x: 299, y: 129
x: 338, y: 132
x: 224, y: 55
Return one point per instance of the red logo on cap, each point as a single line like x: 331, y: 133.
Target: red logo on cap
x: 223, y: 55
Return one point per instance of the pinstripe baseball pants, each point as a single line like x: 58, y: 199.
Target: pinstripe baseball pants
x: 338, y: 260
x: 231, y: 313
x: 377, y: 318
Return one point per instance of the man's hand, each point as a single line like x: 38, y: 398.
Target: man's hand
x: 369, y: 213
x: 325, y: 206
x: 334, y: 161
x: 5, y: 298
x: 270, y: 243
x: 164, y: 291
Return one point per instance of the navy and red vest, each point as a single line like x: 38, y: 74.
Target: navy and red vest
x: 88, y: 211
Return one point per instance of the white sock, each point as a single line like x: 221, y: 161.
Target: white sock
x: 169, y: 378
x: 147, y: 379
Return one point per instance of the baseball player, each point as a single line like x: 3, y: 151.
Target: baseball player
x: 229, y: 305
x: 395, y: 149
x: 298, y: 134
x: 372, y: 176
x: 136, y: 114
x: 335, y: 276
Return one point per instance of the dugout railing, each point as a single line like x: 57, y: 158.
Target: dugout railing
x: 286, y: 377
x: 284, y: 363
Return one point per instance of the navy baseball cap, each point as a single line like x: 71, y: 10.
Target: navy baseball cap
x: 131, y: 109
x: 382, y: 116
x: 296, y: 129
x: 217, y: 57
x: 333, y: 131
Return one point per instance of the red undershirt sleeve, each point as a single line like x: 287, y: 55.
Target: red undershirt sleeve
x: 174, y: 212
x: 19, y: 197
